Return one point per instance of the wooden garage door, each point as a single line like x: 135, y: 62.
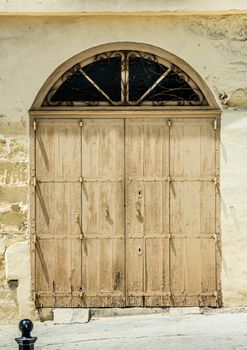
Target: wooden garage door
x: 126, y: 213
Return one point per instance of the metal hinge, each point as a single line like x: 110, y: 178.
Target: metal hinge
x: 34, y: 125
x: 216, y: 181
x: 34, y: 296
x: 169, y: 123
x: 81, y: 179
x: 215, y: 236
x: 215, y: 124
x: 81, y: 123
x: 34, y: 239
x: 34, y: 181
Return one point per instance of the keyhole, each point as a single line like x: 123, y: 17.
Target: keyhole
x: 139, y: 251
x: 139, y: 193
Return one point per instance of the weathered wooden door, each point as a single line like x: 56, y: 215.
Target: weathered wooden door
x: 194, y: 212
x: 127, y: 213
x: 80, y: 247
x: 172, y: 205
x: 58, y: 202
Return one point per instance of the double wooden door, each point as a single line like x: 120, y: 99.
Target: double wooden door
x: 126, y: 213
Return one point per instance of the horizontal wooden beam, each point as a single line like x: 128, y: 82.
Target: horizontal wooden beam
x: 126, y: 113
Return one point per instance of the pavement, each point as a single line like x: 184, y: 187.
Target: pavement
x: 225, y: 331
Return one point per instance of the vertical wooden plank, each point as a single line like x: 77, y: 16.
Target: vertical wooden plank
x: 207, y: 207
x: 45, y: 209
x: 154, y: 266
x: 44, y: 272
x: 67, y: 163
x: 67, y: 204
x: 207, y: 147
x: 45, y: 149
x: 134, y: 261
x: 177, y: 266
x: 106, y: 268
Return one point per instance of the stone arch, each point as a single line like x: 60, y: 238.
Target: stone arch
x: 204, y: 97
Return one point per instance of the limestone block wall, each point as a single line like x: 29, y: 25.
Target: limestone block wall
x: 13, y: 207
x: 31, y: 48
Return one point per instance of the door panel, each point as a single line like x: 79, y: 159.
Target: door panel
x: 147, y: 210
x: 192, y: 212
x: 103, y: 212
x: 58, y: 200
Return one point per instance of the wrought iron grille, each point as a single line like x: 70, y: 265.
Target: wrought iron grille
x: 125, y: 78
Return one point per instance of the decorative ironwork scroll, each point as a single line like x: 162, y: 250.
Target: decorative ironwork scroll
x: 125, y: 78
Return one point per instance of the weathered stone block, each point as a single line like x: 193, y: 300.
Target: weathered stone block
x: 13, y: 173
x: 75, y: 315
x: 2, y: 246
x: 3, y: 148
x: 13, y: 194
x: 13, y: 218
x: 13, y: 128
x: 18, y: 149
x: 18, y: 268
x: 238, y: 99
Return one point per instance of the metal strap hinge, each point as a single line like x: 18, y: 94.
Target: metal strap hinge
x: 215, y: 180
x: 215, y: 124
x: 34, y: 125
x: 215, y: 237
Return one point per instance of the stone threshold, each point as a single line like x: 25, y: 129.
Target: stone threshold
x: 83, y: 315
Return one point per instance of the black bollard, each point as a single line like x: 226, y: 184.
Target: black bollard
x: 26, y: 341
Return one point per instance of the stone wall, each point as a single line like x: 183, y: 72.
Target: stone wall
x: 13, y: 207
x: 31, y: 48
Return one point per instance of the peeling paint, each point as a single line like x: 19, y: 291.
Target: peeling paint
x: 238, y: 99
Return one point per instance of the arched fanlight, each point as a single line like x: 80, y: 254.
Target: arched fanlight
x: 125, y: 78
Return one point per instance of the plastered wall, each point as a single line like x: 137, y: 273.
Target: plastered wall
x: 31, y: 48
